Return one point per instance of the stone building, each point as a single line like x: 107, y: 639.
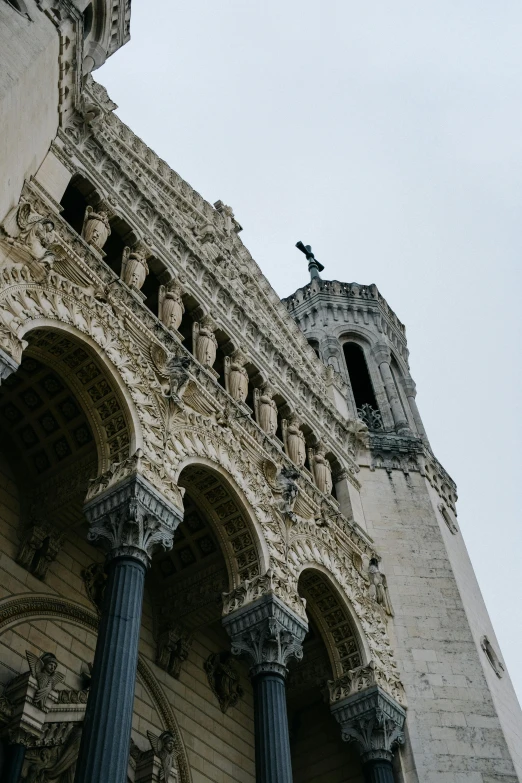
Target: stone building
x: 228, y: 550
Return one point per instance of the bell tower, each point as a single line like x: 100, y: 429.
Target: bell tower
x: 352, y: 328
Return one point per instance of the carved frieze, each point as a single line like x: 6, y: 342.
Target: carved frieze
x: 39, y: 546
x: 172, y: 648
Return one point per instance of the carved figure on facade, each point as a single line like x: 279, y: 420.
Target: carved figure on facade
x: 378, y: 588
x: 204, y: 341
x: 164, y: 748
x: 43, y: 669
x: 236, y: 376
x: 321, y: 469
x: 223, y: 679
x: 39, y: 546
x: 53, y: 764
x: 94, y: 579
x: 170, y: 305
x: 33, y: 232
x: 294, y: 440
x: 134, y: 267
x: 96, y: 227
x: 173, y: 647
x: 283, y: 484
x: 265, y: 408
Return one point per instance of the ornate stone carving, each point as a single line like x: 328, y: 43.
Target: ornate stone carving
x: 96, y: 228
x: 283, y: 484
x: 236, y: 376
x: 373, y: 721
x: 134, y: 267
x: 34, y: 233
x: 378, y: 588
x: 54, y: 763
x: 7, y: 366
x: 95, y: 578
x: 265, y: 408
x: 321, y: 469
x: 270, y: 583
x: 43, y: 669
x: 267, y: 633
x: 132, y: 519
x: 173, y: 647
x: 164, y: 748
x: 170, y: 305
x: 39, y: 546
x: 223, y: 679
x: 294, y: 440
x: 204, y: 341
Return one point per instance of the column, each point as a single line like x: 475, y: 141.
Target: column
x: 268, y: 634
x: 374, y: 722
x: 408, y: 384
x: 381, y: 353
x: 133, y: 519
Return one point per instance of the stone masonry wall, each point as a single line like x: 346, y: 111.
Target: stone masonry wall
x: 454, y: 733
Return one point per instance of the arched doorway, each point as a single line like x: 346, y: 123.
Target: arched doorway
x: 318, y: 752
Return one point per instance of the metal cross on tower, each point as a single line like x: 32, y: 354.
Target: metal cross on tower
x: 314, y: 267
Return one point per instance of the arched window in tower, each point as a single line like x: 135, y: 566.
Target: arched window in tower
x: 315, y: 345
x: 362, y: 388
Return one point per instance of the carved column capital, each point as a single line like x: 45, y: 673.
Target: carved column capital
x: 267, y: 633
x: 132, y: 519
x: 381, y: 353
x: 373, y: 721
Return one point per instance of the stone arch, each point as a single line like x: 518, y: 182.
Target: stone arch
x: 95, y: 384
x: 331, y: 613
x: 231, y: 516
x: 319, y: 550
x: 34, y: 606
x: 59, y: 303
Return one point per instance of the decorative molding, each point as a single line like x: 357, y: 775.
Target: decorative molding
x: 269, y: 584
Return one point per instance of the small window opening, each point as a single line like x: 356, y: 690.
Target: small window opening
x: 315, y: 345
x: 75, y: 200
x: 87, y: 21
x: 359, y: 376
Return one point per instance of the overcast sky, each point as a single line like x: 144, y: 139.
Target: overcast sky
x: 389, y: 137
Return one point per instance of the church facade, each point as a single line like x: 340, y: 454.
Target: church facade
x: 228, y: 550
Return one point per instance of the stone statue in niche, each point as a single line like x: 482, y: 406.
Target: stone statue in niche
x: 164, y: 748
x: 204, y: 340
x: 223, y: 679
x: 96, y: 229
x: 321, y: 469
x: 170, y: 305
x: 266, y: 408
x: 294, y: 440
x: 134, y: 267
x: 43, y: 669
x: 378, y: 588
x: 236, y: 376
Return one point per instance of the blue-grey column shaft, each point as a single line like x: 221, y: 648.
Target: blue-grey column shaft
x: 15, y: 763
x: 272, y: 740
x: 105, y: 745
x: 378, y: 771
